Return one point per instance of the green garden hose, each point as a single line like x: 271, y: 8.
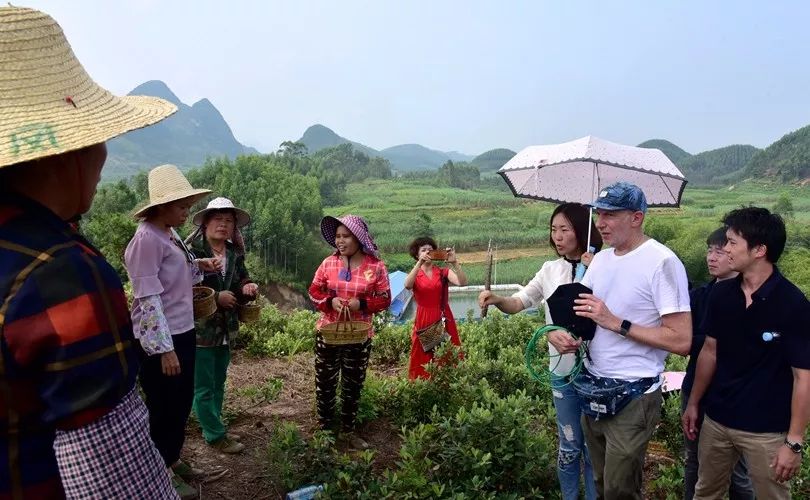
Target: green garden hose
x: 548, y: 375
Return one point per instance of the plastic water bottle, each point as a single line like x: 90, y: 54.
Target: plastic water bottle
x: 770, y: 336
x: 305, y: 493
x: 580, y: 272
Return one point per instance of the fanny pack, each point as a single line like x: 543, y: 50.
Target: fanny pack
x: 604, y: 397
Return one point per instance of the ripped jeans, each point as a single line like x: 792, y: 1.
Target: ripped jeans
x: 572, y: 450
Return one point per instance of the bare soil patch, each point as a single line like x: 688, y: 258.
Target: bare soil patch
x: 246, y: 477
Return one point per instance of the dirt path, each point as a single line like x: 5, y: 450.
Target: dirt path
x: 504, y: 254
x: 245, y: 477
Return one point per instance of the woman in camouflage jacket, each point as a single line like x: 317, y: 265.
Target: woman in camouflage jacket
x: 218, y: 236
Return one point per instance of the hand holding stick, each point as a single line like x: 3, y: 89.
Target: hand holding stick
x: 487, y: 277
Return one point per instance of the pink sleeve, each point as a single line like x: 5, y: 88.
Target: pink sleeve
x: 142, y: 260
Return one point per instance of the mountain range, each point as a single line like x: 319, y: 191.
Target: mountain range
x: 199, y: 131
x: 404, y: 157
x: 185, y: 139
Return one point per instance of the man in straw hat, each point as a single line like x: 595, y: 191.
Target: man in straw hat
x: 68, y: 362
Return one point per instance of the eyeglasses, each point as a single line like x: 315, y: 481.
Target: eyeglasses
x: 345, y: 274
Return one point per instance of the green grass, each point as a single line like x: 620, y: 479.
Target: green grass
x: 460, y: 218
x: 399, y: 210
x: 262, y: 393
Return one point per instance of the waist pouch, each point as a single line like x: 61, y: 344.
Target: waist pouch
x: 603, y: 397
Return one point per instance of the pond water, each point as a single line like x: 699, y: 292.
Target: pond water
x: 460, y: 303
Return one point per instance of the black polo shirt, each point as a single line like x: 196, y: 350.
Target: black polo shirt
x: 698, y: 298
x: 753, y: 383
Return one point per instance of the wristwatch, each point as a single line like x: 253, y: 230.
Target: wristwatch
x: 797, y: 448
x: 625, y: 328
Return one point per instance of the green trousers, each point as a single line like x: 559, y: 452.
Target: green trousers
x: 210, y: 370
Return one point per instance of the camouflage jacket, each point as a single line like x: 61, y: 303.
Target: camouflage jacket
x: 224, y: 323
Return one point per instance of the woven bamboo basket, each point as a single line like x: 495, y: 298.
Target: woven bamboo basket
x: 432, y: 336
x: 249, y: 313
x: 345, y: 330
x: 204, y: 304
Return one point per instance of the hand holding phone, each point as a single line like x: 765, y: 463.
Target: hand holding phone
x: 438, y: 254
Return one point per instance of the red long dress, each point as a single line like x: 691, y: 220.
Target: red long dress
x: 427, y: 292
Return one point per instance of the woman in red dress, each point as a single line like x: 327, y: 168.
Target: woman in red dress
x: 428, y: 283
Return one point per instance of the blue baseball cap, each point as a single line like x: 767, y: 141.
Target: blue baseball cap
x: 621, y: 196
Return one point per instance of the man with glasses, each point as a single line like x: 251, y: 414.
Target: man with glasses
x: 720, y: 270
x: 756, y: 357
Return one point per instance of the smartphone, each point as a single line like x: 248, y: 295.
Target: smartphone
x: 438, y: 254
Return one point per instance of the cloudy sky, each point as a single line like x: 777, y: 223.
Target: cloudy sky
x: 463, y: 75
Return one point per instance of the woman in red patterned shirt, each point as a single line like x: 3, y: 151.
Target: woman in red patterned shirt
x: 352, y: 278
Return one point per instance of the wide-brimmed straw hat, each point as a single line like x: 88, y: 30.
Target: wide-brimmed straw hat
x: 167, y: 184
x: 49, y: 105
x: 356, y: 225
x: 222, y: 203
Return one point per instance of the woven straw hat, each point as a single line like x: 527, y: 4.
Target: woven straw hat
x: 222, y: 203
x: 167, y: 184
x: 49, y: 105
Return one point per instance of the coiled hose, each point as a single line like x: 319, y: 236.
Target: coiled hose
x: 548, y: 375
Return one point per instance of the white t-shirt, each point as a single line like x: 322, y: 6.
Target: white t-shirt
x: 553, y: 274
x: 639, y: 286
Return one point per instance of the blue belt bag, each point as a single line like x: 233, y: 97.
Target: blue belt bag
x: 603, y: 397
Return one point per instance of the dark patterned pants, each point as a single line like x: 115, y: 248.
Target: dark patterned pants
x: 347, y: 363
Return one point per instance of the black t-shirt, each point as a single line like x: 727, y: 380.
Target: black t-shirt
x: 753, y: 383
x: 698, y: 298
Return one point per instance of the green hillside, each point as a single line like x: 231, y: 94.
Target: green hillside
x: 413, y: 157
x: 718, y: 165
x: 493, y: 159
x: 404, y: 157
x: 672, y: 151
x: 319, y: 137
x: 786, y: 160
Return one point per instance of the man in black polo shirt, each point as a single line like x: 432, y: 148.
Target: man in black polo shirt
x: 720, y: 270
x: 757, y: 358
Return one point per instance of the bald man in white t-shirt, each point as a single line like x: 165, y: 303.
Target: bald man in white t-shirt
x: 640, y: 304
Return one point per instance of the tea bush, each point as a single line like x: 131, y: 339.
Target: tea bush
x: 279, y: 334
x: 493, y: 447
x: 391, y: 344
x: 669, y: 483
x: 479, y: 425
x: 669, y: 431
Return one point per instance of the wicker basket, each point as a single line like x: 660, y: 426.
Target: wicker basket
x: 345, y: 330
x: 204, y: 304
x: 432, y: 336
x: 249, y: 313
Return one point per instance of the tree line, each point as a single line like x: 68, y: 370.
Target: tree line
x: 284, y: 192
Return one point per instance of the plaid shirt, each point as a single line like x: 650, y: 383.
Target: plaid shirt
x: 369, y: 283
x: 66, y: 345
x: 224, y: 324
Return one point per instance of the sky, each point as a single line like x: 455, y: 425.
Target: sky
x: 464, y: 76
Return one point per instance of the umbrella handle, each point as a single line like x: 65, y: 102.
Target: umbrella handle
x: 590, y: 218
